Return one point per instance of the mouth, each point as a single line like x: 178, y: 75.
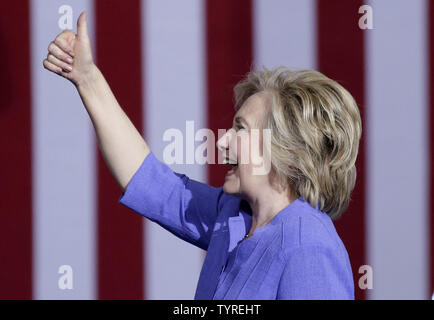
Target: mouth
x: 232, y: 164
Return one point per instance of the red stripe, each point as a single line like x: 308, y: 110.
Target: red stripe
x: 229, y: 57
x: 431, y: 142
x: 341, y: 57
x: 120, y: 233
x: 15, y: 142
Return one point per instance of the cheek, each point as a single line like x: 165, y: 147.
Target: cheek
x: 247, y: 162
x: 257, y: 147
x: 243, y: 150
x: 249, y: 178
x: 250, y: 147
x: 245, y: 177
x: 245, y: 165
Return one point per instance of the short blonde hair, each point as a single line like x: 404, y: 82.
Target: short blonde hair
x: 315, y: 132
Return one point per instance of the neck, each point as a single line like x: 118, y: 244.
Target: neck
x: 266, y: 206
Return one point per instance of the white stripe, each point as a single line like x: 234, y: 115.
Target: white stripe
x: 284, y: 33
x: 396, y: 130
x: 174, y: 92
x: 63, y: 168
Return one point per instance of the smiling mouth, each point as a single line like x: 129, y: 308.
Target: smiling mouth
x: 233, y: 165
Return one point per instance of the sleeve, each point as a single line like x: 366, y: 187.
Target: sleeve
x: 314, y: 273
x: 185, y: 207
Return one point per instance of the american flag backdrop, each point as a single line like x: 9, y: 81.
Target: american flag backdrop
x: 169, y: 61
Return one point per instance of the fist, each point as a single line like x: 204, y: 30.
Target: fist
x: 70, y: 54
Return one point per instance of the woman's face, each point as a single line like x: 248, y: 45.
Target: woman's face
x: 242, y: 146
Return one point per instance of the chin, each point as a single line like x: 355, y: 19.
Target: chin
x: 229, y: 188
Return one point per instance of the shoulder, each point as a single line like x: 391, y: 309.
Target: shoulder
x: 307, y: 227
x: 316, y: 263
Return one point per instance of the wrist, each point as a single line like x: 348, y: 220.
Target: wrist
x: 88, y: 79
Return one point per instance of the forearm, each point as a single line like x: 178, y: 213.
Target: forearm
x: 122, y: 146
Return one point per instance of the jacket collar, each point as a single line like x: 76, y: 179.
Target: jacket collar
x: 239, y: 225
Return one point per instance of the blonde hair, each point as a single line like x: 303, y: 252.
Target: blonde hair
x: 315, y: 132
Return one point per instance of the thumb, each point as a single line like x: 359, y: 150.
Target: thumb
x: 82, y: 26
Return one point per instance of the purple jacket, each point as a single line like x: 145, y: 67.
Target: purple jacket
x: 298, y: 255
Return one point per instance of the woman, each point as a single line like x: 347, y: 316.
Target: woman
x: 267, y: 235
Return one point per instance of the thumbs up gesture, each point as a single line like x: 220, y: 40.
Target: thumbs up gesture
x: 70, y: 54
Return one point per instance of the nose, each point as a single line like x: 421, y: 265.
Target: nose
x: 225, y: 140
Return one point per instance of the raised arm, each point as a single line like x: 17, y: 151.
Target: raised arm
x: 185, y: 207
x: 122, y: 146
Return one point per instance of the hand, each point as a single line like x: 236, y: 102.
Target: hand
x: 70, y: 54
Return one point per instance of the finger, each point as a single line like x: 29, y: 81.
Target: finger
x: 59, y: 63
x: 59, y: 53
x: 82, y: 26
x: 53, y: 68
x: 63, y: 44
